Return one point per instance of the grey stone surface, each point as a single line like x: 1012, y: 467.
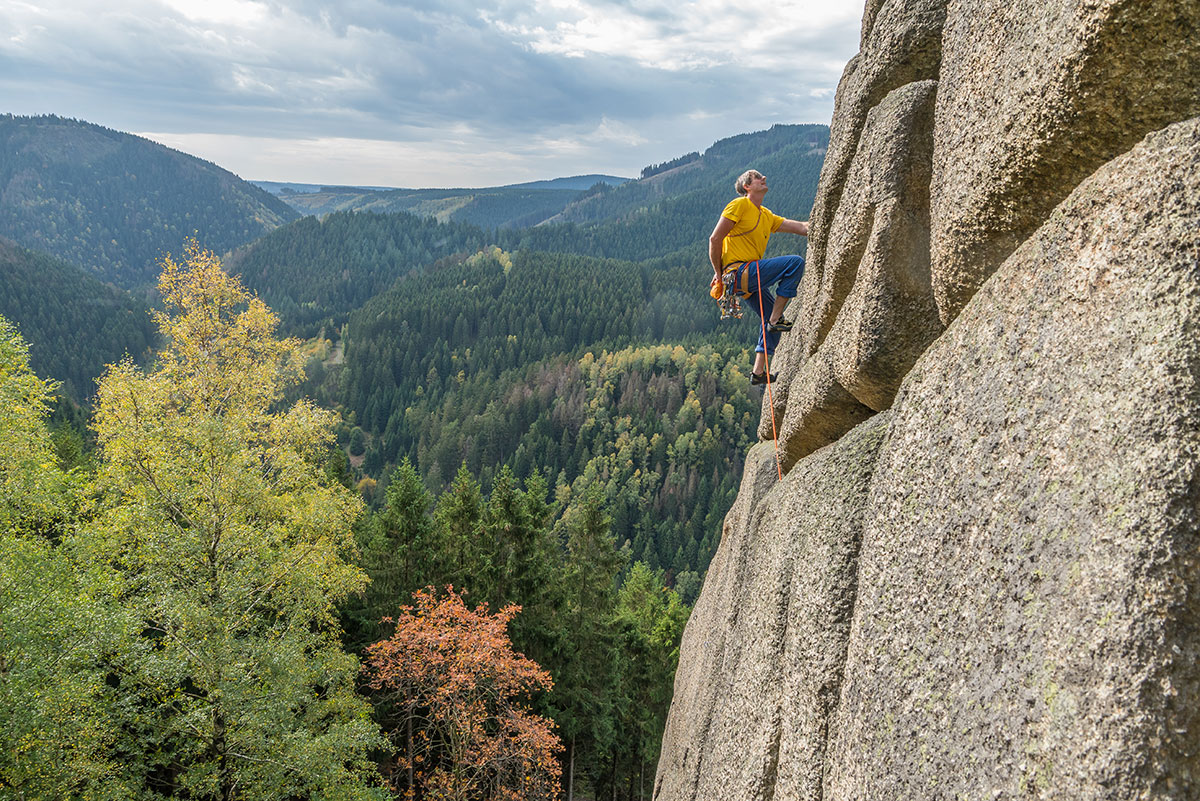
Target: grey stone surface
x: 1028, y: 614
x: 818, y: 411
x: 764, y: 647
x: 901, y: 44
x: 881, y: 237
x: 1024, y: 615
x: 1034, y: 95
x: 701, y: 680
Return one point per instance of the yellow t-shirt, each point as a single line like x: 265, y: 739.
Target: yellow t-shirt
x: 752, y: 228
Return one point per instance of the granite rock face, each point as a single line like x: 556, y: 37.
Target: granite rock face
x: 889, y: 316
x: 901, y: 44
x: 1032, y: 612
x: 819, y: 410
x: 768, y: 636
x: 1034, y: 96
x: 980, y: 575
x: 877, y: 262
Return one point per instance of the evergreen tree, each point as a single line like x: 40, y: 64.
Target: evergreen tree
x: 398, y: 555
x: 531, y: 563
x: 650, y: 620
x: 587, y: 677
x: 466, y: 560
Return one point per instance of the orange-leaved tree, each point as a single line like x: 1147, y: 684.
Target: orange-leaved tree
x: 463, y: 729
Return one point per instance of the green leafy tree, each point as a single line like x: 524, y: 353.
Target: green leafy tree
x: 32, y: 488
x: 56, y: 621
x: 230, y: 543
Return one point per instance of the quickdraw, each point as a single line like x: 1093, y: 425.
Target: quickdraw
x: 729, y: 302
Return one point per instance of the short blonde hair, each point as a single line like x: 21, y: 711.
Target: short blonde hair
x: 744, y: 179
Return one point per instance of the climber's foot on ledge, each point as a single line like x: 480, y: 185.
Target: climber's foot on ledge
x: 761, y: 378
x: 780, y: 326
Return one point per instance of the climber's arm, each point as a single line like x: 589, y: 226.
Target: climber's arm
x: 724, y: 226
x: 793, y: 227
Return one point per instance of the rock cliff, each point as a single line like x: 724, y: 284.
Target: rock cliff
x: 980, y: 576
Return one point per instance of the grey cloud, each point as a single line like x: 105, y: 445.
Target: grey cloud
x: 394, y: 70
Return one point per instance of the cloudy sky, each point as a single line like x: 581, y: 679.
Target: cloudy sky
x: 427, y: 94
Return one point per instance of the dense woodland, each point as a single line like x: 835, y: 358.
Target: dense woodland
x: 224, y: 552
x: 561, y: 365
x: 113, y: 203
x: 75, y: 325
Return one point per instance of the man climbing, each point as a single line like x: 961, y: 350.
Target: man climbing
x: 738, y: 243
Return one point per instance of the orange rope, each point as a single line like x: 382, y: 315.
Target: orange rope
x: 767, y: 362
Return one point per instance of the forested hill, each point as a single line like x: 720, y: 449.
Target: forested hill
x: 113, y: 203
x: 313, y: 273
x: 597, y: 372
x: 75, y: 324
x: 785, y: 153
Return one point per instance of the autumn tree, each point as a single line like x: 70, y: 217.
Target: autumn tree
x: 230, y: 544
x: 455, y: 674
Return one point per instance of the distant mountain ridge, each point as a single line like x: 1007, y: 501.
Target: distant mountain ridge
x: 780, y: 149
x: 694, y: 180
x: 282, y: 189
x: 510, y: 206
x: 113, y: 202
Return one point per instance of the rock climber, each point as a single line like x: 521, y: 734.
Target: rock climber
x: 738, y: 243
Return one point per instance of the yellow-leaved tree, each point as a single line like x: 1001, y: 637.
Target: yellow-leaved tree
x: 232, y: 546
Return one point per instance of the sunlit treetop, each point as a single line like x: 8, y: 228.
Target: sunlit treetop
x: 31, y: 484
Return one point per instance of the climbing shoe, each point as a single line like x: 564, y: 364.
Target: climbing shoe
x: 761, y: 378
x: 780, y: 327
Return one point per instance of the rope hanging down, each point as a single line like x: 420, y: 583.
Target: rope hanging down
x: 767, y: 363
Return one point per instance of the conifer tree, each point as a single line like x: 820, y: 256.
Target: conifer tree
x: 531, y: 562
x: 650, y: 619
x: 587, y: 677
x: 398, y: 555
x: 466, y: 559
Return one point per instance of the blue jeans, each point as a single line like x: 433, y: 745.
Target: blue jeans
x: 783, y: 270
